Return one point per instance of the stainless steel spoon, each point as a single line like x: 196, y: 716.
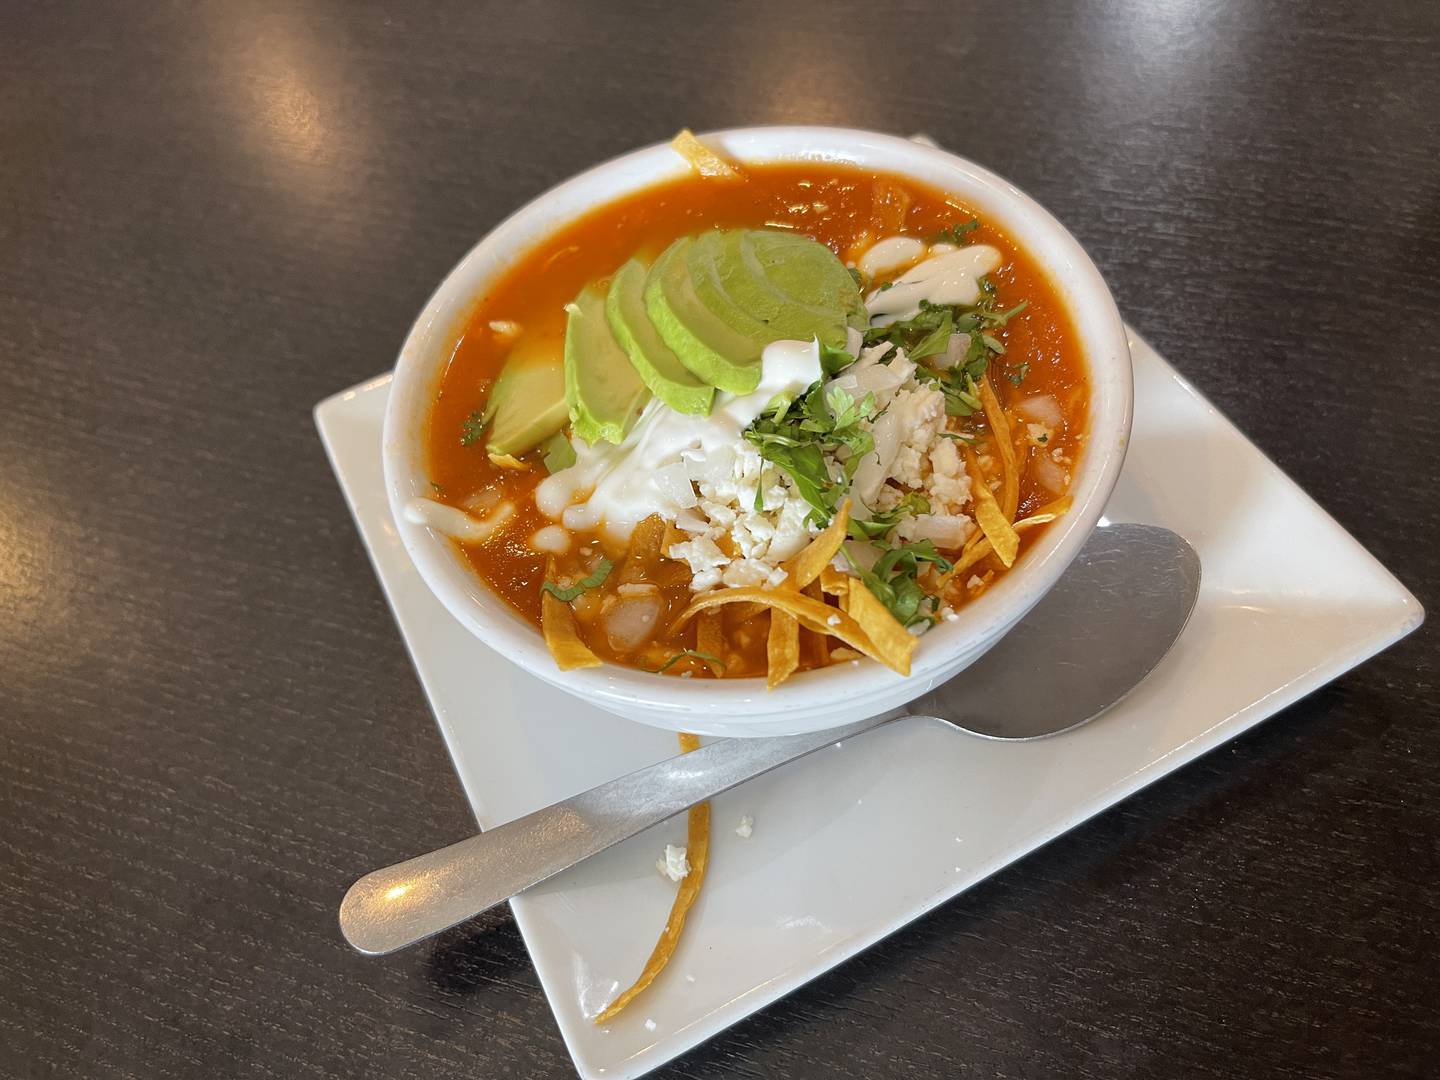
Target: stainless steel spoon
x: 1083, y: 647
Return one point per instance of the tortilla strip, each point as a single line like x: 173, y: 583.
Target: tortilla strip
x: 982, y: 548
x: 835, y: 582
x: 782, y: 648
x: 672, y: 537
x: 710, y: 639
x: 813, y: 614
x: 989, y: 516
x: 1005, y: 444
x: 702, y: 159
x: 884, y: 629
x: 646, y: 550
x: 697, y: 851
x: 819, y: 644
x: 557, y: 624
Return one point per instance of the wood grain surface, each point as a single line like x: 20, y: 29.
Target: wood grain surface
x: 213, y: 215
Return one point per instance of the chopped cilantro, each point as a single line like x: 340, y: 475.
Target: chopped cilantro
x: 693, y: 654
x: 797, y: 441
x: 894, y: 580
x: 472, y: 427
x: 887, y: 285
x: 935, y: 342
x: 834, y: 359
x: 597, y: 577
x: 878, y: 525
x: 955, y: 234
x: 1001, y: 318
x: 859, y: 277
x: 924, y: 327
x: 1017, y: 376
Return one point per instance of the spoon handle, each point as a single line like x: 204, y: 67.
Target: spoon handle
x: 402, y: 904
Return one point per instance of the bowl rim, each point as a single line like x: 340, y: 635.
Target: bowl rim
x: 841, y: 689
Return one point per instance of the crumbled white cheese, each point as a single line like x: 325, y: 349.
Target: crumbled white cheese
x: 728, y: 485
x: 833, y: 620
x: 745, y: 828
x: 674, y: 865
x: 975, y: 582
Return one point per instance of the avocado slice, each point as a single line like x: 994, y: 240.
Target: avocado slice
x: 754, y: 319
x: 658, y: 367
x: 602, y: 391
x: 722, y: 268
x: 717, y: 353
x: 527, y: 402
x: 804, y: 272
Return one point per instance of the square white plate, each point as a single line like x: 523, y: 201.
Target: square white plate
x: 855, y: 841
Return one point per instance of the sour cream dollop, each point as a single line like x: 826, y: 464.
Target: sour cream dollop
x: 454, y: 523
x: 650, y: 471
x: 947, y: 277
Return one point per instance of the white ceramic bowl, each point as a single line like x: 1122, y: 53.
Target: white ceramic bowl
x: 812, y: 700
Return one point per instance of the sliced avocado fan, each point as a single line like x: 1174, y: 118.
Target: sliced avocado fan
x: 718, y: 354
x: 697, y: 321
x: 602, y: 390
x: 658, y: 367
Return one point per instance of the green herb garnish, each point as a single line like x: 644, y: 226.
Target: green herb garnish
x: 924, y: 328
x: 1018, y: 375
x: 596, y: 578
x: 834, y: 359
x: 878, y: 525
x: 956, y: 234
x: 894, y: 580
x: 819, y: 423
x: 692, y: 654
x: 472, y: 427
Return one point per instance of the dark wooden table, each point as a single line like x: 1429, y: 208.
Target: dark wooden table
x: 212, y: 216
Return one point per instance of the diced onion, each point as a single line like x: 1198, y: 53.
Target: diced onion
x: 673, y: 483
x: 954, y: 353
x: 1043, y: 409
x: 1048, y: 473
x: 631, y: 621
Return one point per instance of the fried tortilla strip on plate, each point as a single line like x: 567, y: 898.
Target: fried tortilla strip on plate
x: 697, y: 851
